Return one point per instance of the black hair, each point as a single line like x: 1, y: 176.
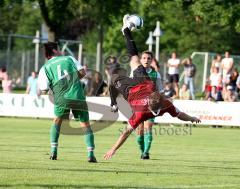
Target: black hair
x: 49, y: 47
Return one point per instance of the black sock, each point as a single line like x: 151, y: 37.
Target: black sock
x: 131, y: 46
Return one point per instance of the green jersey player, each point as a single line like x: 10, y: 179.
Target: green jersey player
x: 144, y: 132
x: 61, y: 75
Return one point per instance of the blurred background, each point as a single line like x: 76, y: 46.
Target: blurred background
x: 90, y: 30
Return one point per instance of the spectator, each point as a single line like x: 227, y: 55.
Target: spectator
x: 98, y: 86
x: 230, y: 95
x: 227, y: 66
x: 173, y: 72
x: 216, y: 63
x: 184, y: 93
x: 32, y: 87
x: 215, y: 76
x: 214, y: 94
x: 207, y: 90
x: 155, y: 65
x: 169, y: 91
x: 220, y: 90
x: 3, y: 74
x: 86, y: 80
x: 189, y: 73
x: 7, y: 84
x: 238, y: 84
x: 233, y: 79
x: 111, y: 65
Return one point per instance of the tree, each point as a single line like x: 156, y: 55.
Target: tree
x: 55, y: 13
x: 18, y: 17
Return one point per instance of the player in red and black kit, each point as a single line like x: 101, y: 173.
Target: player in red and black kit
x: 140, y: 92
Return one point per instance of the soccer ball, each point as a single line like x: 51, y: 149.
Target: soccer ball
x: 135, y: 21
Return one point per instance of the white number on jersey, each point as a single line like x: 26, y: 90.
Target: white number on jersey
x: 60, y: 75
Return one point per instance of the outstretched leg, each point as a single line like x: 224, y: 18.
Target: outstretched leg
x: 131, y: 46
x: 140, y: 138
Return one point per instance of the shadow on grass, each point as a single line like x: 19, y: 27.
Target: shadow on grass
x: 84, y: 186
x: 124, y: 172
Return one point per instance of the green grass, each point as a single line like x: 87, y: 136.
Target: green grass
x: 209, y: 158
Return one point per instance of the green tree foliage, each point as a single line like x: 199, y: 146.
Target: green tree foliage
x: 17, y: 17
x: 187, y: 25
x: 222, y: 18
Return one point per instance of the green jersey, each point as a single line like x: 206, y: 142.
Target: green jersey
x: 60, y: 74
x: 152, y: 74
x: 156, y: 78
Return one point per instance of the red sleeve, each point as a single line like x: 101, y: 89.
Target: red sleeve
x: 172, y: 110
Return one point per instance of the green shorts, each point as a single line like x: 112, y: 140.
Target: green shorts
x: 79, y: 115
x: 151, y: 119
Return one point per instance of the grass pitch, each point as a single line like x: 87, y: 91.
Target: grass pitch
x: 208, y: 158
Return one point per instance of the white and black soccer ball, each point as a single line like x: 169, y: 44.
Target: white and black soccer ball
x: 135, y: 21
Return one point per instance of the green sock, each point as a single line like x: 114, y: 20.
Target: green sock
x: 54, y: 135
x: 89, y: 140
x: 140, y: 141
x: 147, y: 141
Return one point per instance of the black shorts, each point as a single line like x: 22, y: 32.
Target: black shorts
x: 123, y: 83
x: 173, y: 78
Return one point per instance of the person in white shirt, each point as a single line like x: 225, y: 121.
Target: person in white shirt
x: 173, y: 72
x: 227, y: 66
x: 215, y: 76
x: 216, y: 63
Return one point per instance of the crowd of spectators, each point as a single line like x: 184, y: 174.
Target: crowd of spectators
x: 172, y: 88
x: 223, y: 83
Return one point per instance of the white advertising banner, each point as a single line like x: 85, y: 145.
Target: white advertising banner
x: 210, y: 113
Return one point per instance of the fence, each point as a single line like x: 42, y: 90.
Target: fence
x: 20, y: 63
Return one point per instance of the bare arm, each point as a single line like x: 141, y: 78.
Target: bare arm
x: 230, y: 67
x: 175, y: 66
x: 185, y: 117
x: 119, y: 143
x: 28, y: 89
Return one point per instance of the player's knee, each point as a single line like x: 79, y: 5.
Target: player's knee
x: 85, y: 125
x: 57, y: 121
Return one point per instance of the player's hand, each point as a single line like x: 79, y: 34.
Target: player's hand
x: 109, y: 154
x: 196, y: 120
x: 114, y: 108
